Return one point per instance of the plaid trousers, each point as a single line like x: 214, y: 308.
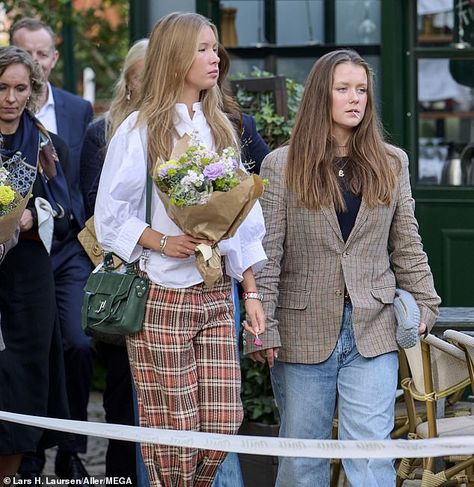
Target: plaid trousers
x: 184, y: 364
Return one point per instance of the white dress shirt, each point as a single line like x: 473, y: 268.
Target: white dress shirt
x: 121, y: 206
x: 47, y: 115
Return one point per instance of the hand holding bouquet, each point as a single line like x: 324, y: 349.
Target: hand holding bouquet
x: 207, y: 196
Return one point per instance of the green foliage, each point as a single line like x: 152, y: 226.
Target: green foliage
x: 96, y: 43
x: 271, y: 126
x: 257, y: 394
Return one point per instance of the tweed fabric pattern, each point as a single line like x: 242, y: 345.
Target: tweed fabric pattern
x: 187, y: 376
x: 309, y: 265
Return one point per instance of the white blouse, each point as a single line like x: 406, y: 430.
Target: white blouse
x: 121, y: 205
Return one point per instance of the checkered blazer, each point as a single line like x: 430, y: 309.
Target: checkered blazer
x: 309, y: 264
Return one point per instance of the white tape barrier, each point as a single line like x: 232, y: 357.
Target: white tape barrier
x: 257, y: 445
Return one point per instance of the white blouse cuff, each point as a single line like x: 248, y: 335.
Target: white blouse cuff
x: 125, y: 245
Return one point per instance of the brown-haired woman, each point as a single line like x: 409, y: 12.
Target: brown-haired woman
x: 341, y: 234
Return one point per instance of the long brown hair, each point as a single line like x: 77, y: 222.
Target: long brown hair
x: 171, y: 51
x: 310, y: 173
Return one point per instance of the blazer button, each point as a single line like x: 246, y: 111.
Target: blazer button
x: 338, y: 292
x: 345, y: 254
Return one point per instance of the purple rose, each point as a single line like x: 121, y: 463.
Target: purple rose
x: 214, y: 171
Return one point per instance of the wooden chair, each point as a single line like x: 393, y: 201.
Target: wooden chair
x: 437, y: 370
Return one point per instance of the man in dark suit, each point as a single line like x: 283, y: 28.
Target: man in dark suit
x: 67, y: 115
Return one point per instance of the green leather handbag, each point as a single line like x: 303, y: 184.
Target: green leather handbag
x: 115, y: 300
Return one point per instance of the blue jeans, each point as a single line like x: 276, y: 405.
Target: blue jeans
x: 306, y: 397
x: 229, y: 473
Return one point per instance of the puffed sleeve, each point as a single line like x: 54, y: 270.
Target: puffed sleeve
x: 121, y: 198
x: 245, y: 248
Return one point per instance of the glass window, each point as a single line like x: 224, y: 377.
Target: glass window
x: 295, y: 68
x: 445, y: 121
x: 244, y: 66
x: 357, y: 22
x: 435, y: 22
x: 242, y: 23
x: 300, y: 22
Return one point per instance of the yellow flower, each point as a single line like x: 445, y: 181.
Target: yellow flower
x: 7, y: 195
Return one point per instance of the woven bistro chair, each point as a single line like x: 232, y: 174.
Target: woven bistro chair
x: 438, y: 369
x: 453, y: 405
x: 466, y: 343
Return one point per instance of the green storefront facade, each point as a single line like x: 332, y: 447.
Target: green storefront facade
x: 423, y: 59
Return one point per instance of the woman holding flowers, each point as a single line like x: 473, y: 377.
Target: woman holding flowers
x: 184, y: 361
x: 31, y: 367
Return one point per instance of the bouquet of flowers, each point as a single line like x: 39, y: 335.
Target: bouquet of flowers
x: 12, y: 204
x: 207, y: 196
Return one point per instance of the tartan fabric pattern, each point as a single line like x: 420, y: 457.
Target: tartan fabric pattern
x: 185, y: 368
x: 309, y: 265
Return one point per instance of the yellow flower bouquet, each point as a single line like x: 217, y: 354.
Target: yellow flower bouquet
x: 12, y: 204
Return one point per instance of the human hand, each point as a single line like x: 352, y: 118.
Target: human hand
x: 182, y: 246
x: 26, y: 221
x: 270, y: 354
x: 422, y: 329
x: 255, y: 322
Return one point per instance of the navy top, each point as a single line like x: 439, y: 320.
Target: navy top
x: 348, y: 217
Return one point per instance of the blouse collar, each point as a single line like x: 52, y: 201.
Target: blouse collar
x: 184, y: 123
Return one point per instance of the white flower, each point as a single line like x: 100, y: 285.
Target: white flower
x: 192, y: 179
x: 3, y: 175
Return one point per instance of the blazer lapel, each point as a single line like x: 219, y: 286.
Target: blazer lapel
x: 330, y: 214
x: 362, y: 216
x: 62, y: 119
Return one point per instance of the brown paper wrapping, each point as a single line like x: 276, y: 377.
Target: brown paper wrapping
x: 10, y: 221
x: 215, y: 220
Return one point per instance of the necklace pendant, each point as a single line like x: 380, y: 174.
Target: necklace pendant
x: 340, y: 173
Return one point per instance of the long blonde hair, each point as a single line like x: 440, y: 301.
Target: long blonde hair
x: 310, y: 170
x: 171, y: 52
x: 123, y: 104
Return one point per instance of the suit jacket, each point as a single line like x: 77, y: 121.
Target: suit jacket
x: 254, y: 148
x: 309, y: 264
x: 73, y: 115
x: 93, y: 153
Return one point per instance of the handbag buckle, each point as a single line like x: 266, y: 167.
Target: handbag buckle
x: 101, y: 307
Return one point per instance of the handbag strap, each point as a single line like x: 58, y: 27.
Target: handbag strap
x: 108, y: 256
x: 149, y: 189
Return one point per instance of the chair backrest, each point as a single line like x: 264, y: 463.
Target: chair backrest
x: 463, y: 339
x: 466, y: 343
x: 448, y: 366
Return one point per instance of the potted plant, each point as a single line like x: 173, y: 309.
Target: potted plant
x: 272, y: 104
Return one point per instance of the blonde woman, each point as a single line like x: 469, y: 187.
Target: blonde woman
x: 184, y: 361
x: 341, y: 235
